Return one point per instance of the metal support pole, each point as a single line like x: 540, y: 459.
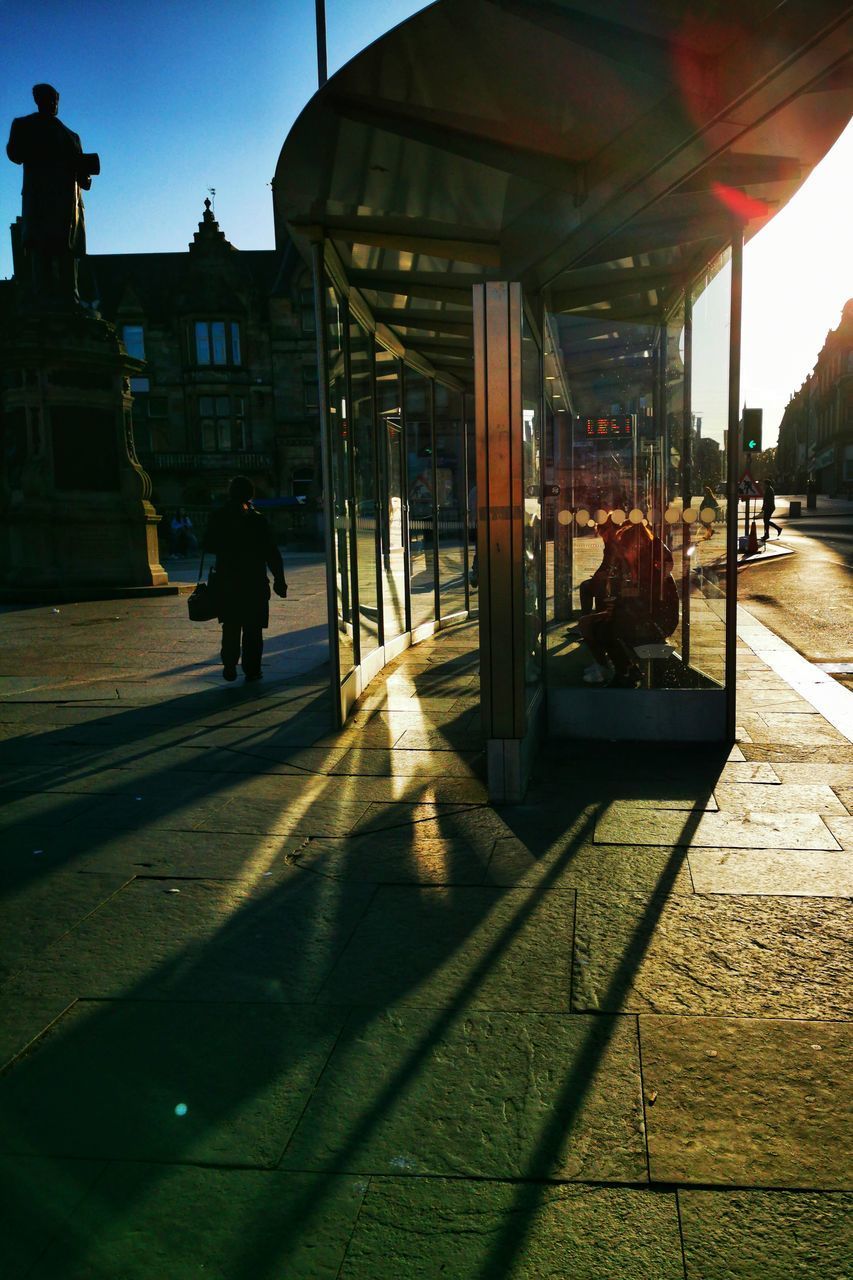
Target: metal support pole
x: 731, y: 481
x: 436, y: 581
x: 320, y: 14
x: 328, y: 480
x: 686, y: 475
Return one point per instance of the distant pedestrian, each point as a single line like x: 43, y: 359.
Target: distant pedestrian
x: 241, y: 539
x: 768, y: 506
x: 183, y: 539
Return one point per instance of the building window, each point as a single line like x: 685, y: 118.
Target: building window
x: 301, y: 481
x: 217, y: 342
x: 306, y: 310
x: 222, y: 423
x: 310, y: 388
x: 133, y: 337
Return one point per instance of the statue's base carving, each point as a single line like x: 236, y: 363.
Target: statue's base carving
x: 75, y: 500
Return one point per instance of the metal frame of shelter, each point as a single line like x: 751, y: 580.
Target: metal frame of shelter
x: 505, y: 197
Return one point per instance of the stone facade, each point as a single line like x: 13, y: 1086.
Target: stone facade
x: 816, y: 432
x: 230, y: 382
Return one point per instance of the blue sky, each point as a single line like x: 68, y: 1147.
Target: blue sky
x: 181, y: 95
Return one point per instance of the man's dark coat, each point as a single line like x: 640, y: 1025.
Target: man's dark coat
x: 242, y: 542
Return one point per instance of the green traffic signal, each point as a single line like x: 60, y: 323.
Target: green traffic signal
x: 751, y: 423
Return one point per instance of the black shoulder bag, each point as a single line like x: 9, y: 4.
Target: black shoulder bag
x: 203, y: 604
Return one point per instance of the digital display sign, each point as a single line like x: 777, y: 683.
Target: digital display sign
x: 619, y: 426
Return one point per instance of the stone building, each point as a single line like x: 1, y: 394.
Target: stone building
x: 816, y: 432
x: 230, y: 382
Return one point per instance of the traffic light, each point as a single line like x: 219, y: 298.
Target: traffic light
x: 751, y: 430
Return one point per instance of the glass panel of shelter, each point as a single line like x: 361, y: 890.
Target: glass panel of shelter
x: 392, y: 523
x: 420, y: 470
x: 343, y: 551
x: 366, y: 491
x: 635, y: 530
x: 450, y: 499
x: 533, y: 576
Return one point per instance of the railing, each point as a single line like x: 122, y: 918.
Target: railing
x: 233, y: 461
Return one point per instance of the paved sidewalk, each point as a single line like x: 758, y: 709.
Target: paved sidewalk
x: 278, y: 1002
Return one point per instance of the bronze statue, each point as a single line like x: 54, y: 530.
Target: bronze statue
x: 55, y: 170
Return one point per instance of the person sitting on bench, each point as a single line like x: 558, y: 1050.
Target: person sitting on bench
x: 643, y: 608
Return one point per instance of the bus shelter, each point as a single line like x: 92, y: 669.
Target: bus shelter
x: 526, y: 221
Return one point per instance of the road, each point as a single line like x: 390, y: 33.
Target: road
x: 807, y: 598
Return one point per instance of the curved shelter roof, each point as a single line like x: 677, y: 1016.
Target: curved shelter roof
x: 596, y: 149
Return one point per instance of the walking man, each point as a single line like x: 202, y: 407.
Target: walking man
x: 768, y: 506
x: 240, y: 538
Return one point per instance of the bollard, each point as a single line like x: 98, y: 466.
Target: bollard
x: 795, y: 509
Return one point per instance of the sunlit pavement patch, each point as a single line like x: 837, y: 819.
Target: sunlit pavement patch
x: 421, y: 1228
x: 713, y: 954
x: 497, y: 1095
x: 774, y: 1235
x: 748, y: 1101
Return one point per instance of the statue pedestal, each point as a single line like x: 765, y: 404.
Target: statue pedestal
x: 75, y: 501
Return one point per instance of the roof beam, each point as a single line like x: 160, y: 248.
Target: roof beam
x: 623, y: 283
x: 474, y: 142
x: 639, y: 50
x: 739, y: 169
x: 654, y: 237
x: 432, y: 286
x: 427, y: 321
x: 410, y: 235
x: 480, y: 253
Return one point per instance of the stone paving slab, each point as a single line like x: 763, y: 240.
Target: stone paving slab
x: 378, y: 859
x: 104, y: 1082
x: 296, y: 812
x: 421, y: 1228
x: 372, y: 760
x: 845, y: 795
x: 144, y: 1220
x: 437, y: 740
x: 276, y: 941
x: 490, y: 1095
x: 254, y: 759
x: 792, y: 729
x: 40, y: 1198
x: 459, y: 947
x: 364, y: 788
x: 379, y: 816
x: 766, y: 1235
x: 45, y: 810
x: 626, y: 822
x: 213, y: 855
x: 842, y: 830
x: 713, y: 954
x: 787, y: 798
x: 748, y: 1101
x: 751, y: 771
x: 35, y: 911
x: 98, y: 777
x: 803, y: 873
x: 590, y: 867
x: 22, y: 1020
x: 786, y: 753
x: 833, y: 775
